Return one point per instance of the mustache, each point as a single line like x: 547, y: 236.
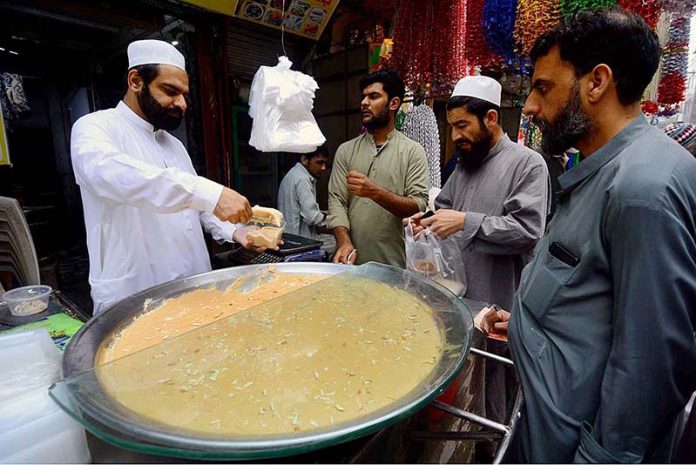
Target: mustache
x: 459, y: 145
x: 540, y: 123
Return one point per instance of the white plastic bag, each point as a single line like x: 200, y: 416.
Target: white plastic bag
x: 280, y: 103
x: 438, y: 259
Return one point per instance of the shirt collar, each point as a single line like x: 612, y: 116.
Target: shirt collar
x: 497, y: 148
x: 304, y: 171
x: 590, y: 165
x: 371, y: 138
x: 125, y: 111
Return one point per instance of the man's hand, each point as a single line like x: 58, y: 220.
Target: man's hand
x: 345, y: 254
x: 444, y: 223
x: 362, y: 186
x: 240, y: 237
x: 232, y: 207
x: 416, y: 225
x: 495, y: 321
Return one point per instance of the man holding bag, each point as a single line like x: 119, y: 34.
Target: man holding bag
x: 495, y: 203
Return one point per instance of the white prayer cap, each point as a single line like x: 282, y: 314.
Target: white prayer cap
x: 481, y: 87
x: 154, y: 52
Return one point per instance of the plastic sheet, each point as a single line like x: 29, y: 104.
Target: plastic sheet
x: 280, y: 103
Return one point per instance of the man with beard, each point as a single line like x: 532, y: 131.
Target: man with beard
x: 495, y: 204
x: 378, y: 178
x: 602, y: 327
x: 143, y: 203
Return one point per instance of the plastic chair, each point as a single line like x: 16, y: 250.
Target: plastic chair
x: 15, y: 237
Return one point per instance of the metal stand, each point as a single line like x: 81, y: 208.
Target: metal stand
x: 490, y: 430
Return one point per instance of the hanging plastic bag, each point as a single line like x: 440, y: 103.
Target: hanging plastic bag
x: 438, y: 259
x: 280, y: 103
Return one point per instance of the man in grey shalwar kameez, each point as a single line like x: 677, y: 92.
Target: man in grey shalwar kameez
x: 602, y: 327
x: 495, y: 204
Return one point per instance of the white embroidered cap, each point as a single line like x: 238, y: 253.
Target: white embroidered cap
x: 481, y: 87
x: 154, y: 52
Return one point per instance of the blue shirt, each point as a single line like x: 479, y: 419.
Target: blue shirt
x: 297, y: 200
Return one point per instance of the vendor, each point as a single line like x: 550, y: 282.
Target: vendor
x: 144, y: 204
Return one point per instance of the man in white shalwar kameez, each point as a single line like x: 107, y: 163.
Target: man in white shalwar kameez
x: 145, y: 208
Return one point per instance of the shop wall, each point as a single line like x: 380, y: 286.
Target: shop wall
x: 337, y: 103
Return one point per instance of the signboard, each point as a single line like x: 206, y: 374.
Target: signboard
x: 306, y: 18
x: 4, y: 150
x: 226, y: 7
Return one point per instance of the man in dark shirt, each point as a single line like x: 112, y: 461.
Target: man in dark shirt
x: 602, y: 326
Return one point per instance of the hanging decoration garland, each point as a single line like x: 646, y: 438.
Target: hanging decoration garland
x: 412, y: 53
x: 449, y: 48
x: 478, y: 53
x: 568, y: 7
x: 420, y: 125
x: 672, y: 87
x: 679, y: 7
x: 534, y: 17
x: 499, y: 25
x: 649, y: 10
x: 428, y: 46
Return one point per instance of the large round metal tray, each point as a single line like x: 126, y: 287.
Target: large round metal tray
x: 80, y: 393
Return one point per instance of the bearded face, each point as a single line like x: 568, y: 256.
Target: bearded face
x: 159, y: 116
x: 472, y: 152
x: 570, y: 125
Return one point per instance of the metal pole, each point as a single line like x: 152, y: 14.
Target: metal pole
x: 456, y: 436
x: 463, y: 414
x: 511, y: 427
x: 497, y: 358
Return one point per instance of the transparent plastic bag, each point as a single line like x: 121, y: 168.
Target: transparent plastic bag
x: 280, y: 103
x: 438, y: 259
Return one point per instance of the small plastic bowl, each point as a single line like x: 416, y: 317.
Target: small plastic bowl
x: 254, y: 228
x: 28, y: 300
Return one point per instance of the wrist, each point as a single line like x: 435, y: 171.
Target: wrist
x: 462, y: 220
x: 377, y: 193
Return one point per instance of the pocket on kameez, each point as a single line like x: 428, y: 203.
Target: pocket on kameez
x: 549, y: 277
x: 591, y: 451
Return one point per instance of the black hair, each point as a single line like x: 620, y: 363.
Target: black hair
x: 148, y: 73
x: 613, y: 36
x: 391, y: 81
x: 321, y: 151
x: 476, y: 106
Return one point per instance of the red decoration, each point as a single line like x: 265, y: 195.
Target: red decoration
x: 412, y: 54
x: 429, y: 46
x: 449, y: 50
x: 649, y: 10
x: 671, y: 89
x: 649, y: 107
x: 478, y: 53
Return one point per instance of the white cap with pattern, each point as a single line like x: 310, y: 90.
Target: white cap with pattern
x: 481, y: 87
x: 154, y: 52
